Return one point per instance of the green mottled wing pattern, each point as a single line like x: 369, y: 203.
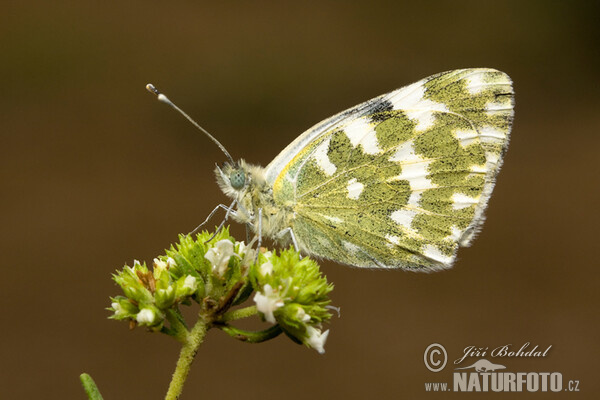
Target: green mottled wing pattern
x: 403, y: 180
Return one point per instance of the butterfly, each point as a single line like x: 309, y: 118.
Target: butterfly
x: 399, y: 181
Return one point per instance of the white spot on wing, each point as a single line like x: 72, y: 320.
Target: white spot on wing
x: 416, y: 175
x: 480, y: 169
x: 414, y: 199
x: 392, y: 240
x: 404, y: 217
x: 435, y: 254
x: 492, y: 108
x: 492, y: 158
x: 489, y: 134
x: 424, y: 118
x: 412, y: 102
x: 475, y: 83
x: 320, y: 156
x: 355, y: 188
x: 466, y: 137
x: 461, y: 201
x: 360, y: 131
x: 405, y: 153
x: 455, y: 235
x: 351, y: 247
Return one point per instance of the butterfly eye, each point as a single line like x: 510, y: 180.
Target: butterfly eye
x: 237, y: 179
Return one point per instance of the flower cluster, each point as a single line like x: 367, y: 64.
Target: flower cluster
x: 193, y: 270
x: 148, y: 294
x: 219, y: 273
x: 293, y: 293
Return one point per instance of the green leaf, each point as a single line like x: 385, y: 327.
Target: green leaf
x: 90, y: 387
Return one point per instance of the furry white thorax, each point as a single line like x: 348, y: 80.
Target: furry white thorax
x: 254, y: 195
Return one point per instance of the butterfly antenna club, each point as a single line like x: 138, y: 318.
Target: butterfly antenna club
x: 162, y: 98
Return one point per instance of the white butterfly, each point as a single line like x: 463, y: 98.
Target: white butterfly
x: 400, y: 181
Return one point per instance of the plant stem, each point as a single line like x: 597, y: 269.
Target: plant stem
x: 239, y: 313
x: 252, y: 336
x: 188, y: 351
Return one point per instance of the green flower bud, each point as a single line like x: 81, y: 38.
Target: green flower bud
x: 133, y: 286
x: 164, y: 298
x: 123, y: 308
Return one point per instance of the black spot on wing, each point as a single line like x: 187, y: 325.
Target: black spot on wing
x: 380, y: 105
x: 381, y: 110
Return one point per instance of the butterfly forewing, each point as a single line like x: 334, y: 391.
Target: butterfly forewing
x: 402, y: 180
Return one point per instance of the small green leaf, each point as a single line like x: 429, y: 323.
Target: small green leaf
x: 90, y: 387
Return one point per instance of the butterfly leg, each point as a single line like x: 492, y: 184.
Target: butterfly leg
x: 248, y: 230
x: 224, y: 207
x: 259, y: 233
x: 291, y: 233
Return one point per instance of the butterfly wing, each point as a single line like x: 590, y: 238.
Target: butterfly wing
x: 402, y: 180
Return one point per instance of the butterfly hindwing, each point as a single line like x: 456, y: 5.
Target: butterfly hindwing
x: 402, y: 180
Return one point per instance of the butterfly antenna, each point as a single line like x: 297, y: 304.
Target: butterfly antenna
x: 161, y: 97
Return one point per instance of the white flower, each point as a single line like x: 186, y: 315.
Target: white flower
x: 159, y: 267
x: 190, y: 283
x: 268, y: 254
x: 145, y: 316
x: 247, y: 252
x: 302, y: 315
x: 170, y: 262
x: 316, y: 339
x: 241, y: 248
x: 219, y: 256
x: 266, y: 268
x: 268, y: 302
x: 118, y: 309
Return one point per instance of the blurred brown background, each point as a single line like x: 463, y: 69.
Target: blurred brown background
x: 95, y: 172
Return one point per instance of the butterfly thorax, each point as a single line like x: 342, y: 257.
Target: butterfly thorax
x: 247, y: 184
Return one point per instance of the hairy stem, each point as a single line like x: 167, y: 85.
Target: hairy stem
x: 239, y: 313
x: 190, y: 347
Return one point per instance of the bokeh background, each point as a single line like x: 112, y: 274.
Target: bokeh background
x: 95, y: 173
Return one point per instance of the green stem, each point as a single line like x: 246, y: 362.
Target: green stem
x: 239, y: 313
x: 251, y: 336
x: 190, y: 347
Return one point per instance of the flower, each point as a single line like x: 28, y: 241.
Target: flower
x: 119, y: 311
x: 266, y: 268
x: 219, y: 256
x: 145, y: 317
x: 170, y: 262
x: 316, y: 339
x: 190, y: 283
x: 268, y: 302
x: 302, y: 315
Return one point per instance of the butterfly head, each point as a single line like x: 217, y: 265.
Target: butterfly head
x: 240, y: 180
x: 237, y: 178
x: 232, y: 178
